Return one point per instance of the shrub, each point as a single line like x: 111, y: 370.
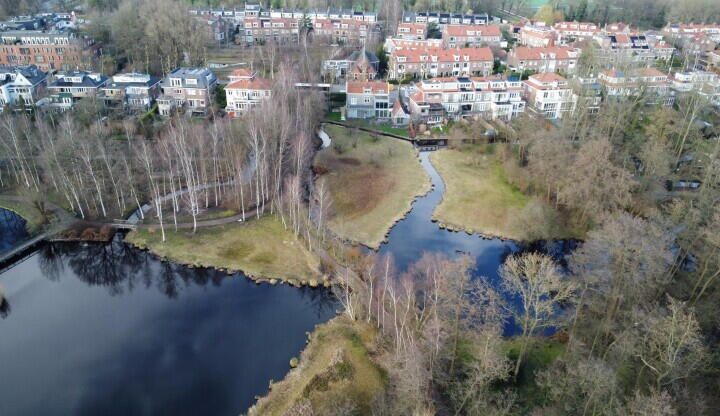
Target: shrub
x: 105, y: 232
x: 88, y: 234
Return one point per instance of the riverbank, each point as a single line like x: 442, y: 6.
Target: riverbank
x: 334, y: 371
x: 262, y: 249
x: 479, y: 199
x: 373, y: 181
x: 33, y: 217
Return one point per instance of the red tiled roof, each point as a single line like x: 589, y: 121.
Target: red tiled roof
x: 445, y: 55
x: 528, y: 53
x: 376, y: 87
x: 464, y: 30
x: 241, y: 73
x: 546, y: 77
x: 250, y: 84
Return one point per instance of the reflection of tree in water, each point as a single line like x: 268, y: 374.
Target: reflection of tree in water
x: 12, y: 229
x: 323, y: 301
x: 4, y: 308
x: 120, y: 268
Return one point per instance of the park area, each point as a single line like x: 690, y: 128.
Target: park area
x: 373, y: 181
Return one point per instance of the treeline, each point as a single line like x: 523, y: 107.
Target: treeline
x: 644, y: 14
x: 257, y: 163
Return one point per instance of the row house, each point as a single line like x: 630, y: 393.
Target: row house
x: 216, y: 29
x: 568, y: 31
x: 69, y: 87
x: 344, y: 31
x: 245, y: 91
x: 537, y: 36
x: 412, y: 31
x: 632, y: 48
x: 21, y: 85
x: 648, y: 82
x: 446, y: 18
x: 187, y: 89
x: 395, y: 44
x: 131, y: 92
x: 685, y: 30
x: 471, y: 36
x: 367, y: 100
x: 254, y: 10
x: 279, y: 30
x: 358, y: 65
x: 706, y: 84
x: 549, y: 95
x: 438, y: 100
x: 425, y: 63
x: 49, y: 51
x: 548, y: 59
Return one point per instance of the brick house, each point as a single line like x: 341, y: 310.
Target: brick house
x: 471, y: 36
x: 245, y: 91
x: 412, y: 31
x: 547, y: 59
x: 367, y: 100
x: 549, y: 95
x: 49, y: 51
x: 189, y: 89
x: 438, y: 62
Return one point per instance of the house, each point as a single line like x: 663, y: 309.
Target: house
x: 445, y: 18
x: 130, y: 91
x: 188, y: 89
x: 412, y: 31
x: 245, y: 91
x: 344, y: 31
x: 438, y: 62
x: 70, y: 87
x: 705, y: 84
x: 589, y: 93
x: 367, y: 100
x: 572, y: 31
x: 436, y: 100
x: 21, y: 85
x: 648, y: 82
x: 631, y: 48
x: 216, y: 28
x: 549, y: 95
x: 358, y: 65
x: 394, y: 44
x: 471, y: 36
x: 686, y: 30
x: 49, y: 51
x: 544, y: 59
x: 399, y: 116
x: 537, y: 36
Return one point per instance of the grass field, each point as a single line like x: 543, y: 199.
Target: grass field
x: 372, y: 181
x: 334, y: 370
x: 386, y: 128
x: 261, y: 248
x: 479, y: 199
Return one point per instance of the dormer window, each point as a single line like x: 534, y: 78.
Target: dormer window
x: 191, y: 81
x: 175, y: 82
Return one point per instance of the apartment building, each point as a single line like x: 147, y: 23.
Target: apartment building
x: 438, y: 100
x: 446, y: 18
x: 69, y: 87
x: 549, y: 95
x: 49, y: 51
x: 21, y: 85
x: 395, y: 44
x: 245, y: 91
x: 368, y: 100
x: 187, y: 89
x: 537, y: 36
x: 460, y: 36
x: 279, y: 30
x: 437, y: 62
x: 344, y: 31
x: 412, y: 31
x: 131, y: 91
x: 547, y: 59
x: 649, y: 82
x: 569, y: 31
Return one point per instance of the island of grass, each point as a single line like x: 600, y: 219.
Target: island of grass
x: 372, y: 181
x: 335, y: 371
x: 479, y: 199
x: 261, y: 248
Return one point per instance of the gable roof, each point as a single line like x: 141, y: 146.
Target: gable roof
x: 376, y: 87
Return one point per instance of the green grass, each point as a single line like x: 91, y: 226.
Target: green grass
x: 26, y: 210
x: 386, y: 128
x: 253, y: 247
x: 540, y: 354
x: 335, y: 367
x: 479, y: 198
x: 372, y: 182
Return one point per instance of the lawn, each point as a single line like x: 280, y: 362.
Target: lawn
x: 335, y: 369
x: 478, y: 198
x: 372, y: 182
x: 385, y: 128
x: 261, y: 248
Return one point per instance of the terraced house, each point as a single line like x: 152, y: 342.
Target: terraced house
x: 648, y: 82
x: 546, y: 59
x: 69, y: 87
x: 368, y: 100
x: 188, y: 90
x: 131, y: 92
x: 439, y: 100
x: 471, y: 36
x: 439, y: 62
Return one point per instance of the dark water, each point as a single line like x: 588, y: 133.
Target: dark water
x: 105, y: 329
x: 12, y: 229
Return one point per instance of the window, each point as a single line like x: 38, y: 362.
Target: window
x: 191, y: 81
x: 175, y: 82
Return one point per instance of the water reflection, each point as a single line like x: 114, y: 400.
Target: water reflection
x: 12, y: 229
x: 109, y: 329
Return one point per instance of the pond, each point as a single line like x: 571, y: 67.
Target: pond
x: 107, y: 329
x: 12, y: 229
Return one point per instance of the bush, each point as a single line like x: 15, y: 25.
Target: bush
x: 88, y: 234
x: 105, y: 232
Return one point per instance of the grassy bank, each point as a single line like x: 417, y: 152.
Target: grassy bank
x: 334, y: 371
x: 261, y: 248
x: 26, y: 210
x: 478, y: 198
x: 372, y: 181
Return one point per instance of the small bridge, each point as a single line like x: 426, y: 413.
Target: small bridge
x: 13, y: 257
